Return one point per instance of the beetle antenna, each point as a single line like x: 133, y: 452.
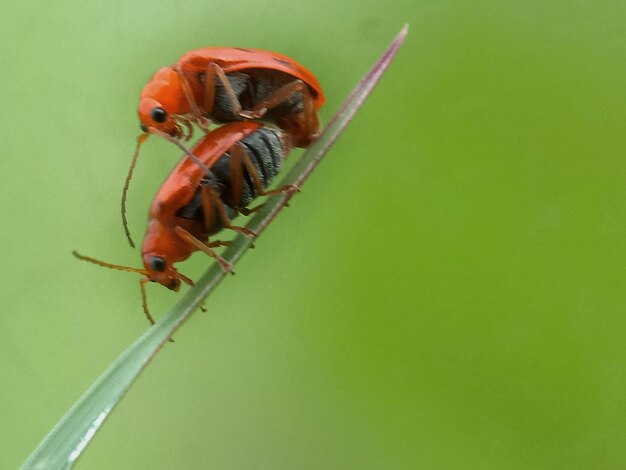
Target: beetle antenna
x: 109, y: 265
x: 188, y: 152
x: 140, y: 140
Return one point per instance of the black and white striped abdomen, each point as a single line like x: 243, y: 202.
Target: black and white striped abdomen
x: 266, y: 150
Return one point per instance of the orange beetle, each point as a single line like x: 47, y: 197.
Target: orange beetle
x: 227, y: 170
x: 227, y: 83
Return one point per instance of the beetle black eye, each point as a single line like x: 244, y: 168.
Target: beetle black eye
x: 158, y: 114
x: 144, y: 128
x: 158, y: 264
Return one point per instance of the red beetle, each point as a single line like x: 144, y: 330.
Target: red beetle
x: 228, y: 83
x: 231, y: 166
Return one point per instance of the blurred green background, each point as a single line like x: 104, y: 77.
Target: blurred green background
x: 446, y: 292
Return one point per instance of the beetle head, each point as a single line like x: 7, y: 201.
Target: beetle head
x: 160, y: 102
x: 160, y: 270
x: 154, y: 114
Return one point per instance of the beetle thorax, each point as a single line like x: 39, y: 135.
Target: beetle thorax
x: 162, y: 99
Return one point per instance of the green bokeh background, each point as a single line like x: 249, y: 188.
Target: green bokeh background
x: 446, y: 292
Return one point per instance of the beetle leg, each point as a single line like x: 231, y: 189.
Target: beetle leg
x: 193, y: 241
x: 189, y: 134
x: 245, y: 211
x: 209, y: 89
x: 144, y: 299
x: 208, y: 210
x: 236, y: 173
x: 190, y: 283
x: 280, y: 95
x: 254, y: 174
x: 210, y: 198
x: 202, y: 122
x: 144, y: 302
x: 184, y: 83
x: 310, y: 117
x: 303, y: 126
x: 213, y: 71
x: 218, y: 243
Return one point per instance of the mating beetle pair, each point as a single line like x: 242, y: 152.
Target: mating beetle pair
x: 229, y: 166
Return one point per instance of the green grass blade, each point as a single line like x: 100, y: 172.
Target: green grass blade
x: 69, y: 438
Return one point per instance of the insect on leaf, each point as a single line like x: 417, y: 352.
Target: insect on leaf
x: 72, y: 434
